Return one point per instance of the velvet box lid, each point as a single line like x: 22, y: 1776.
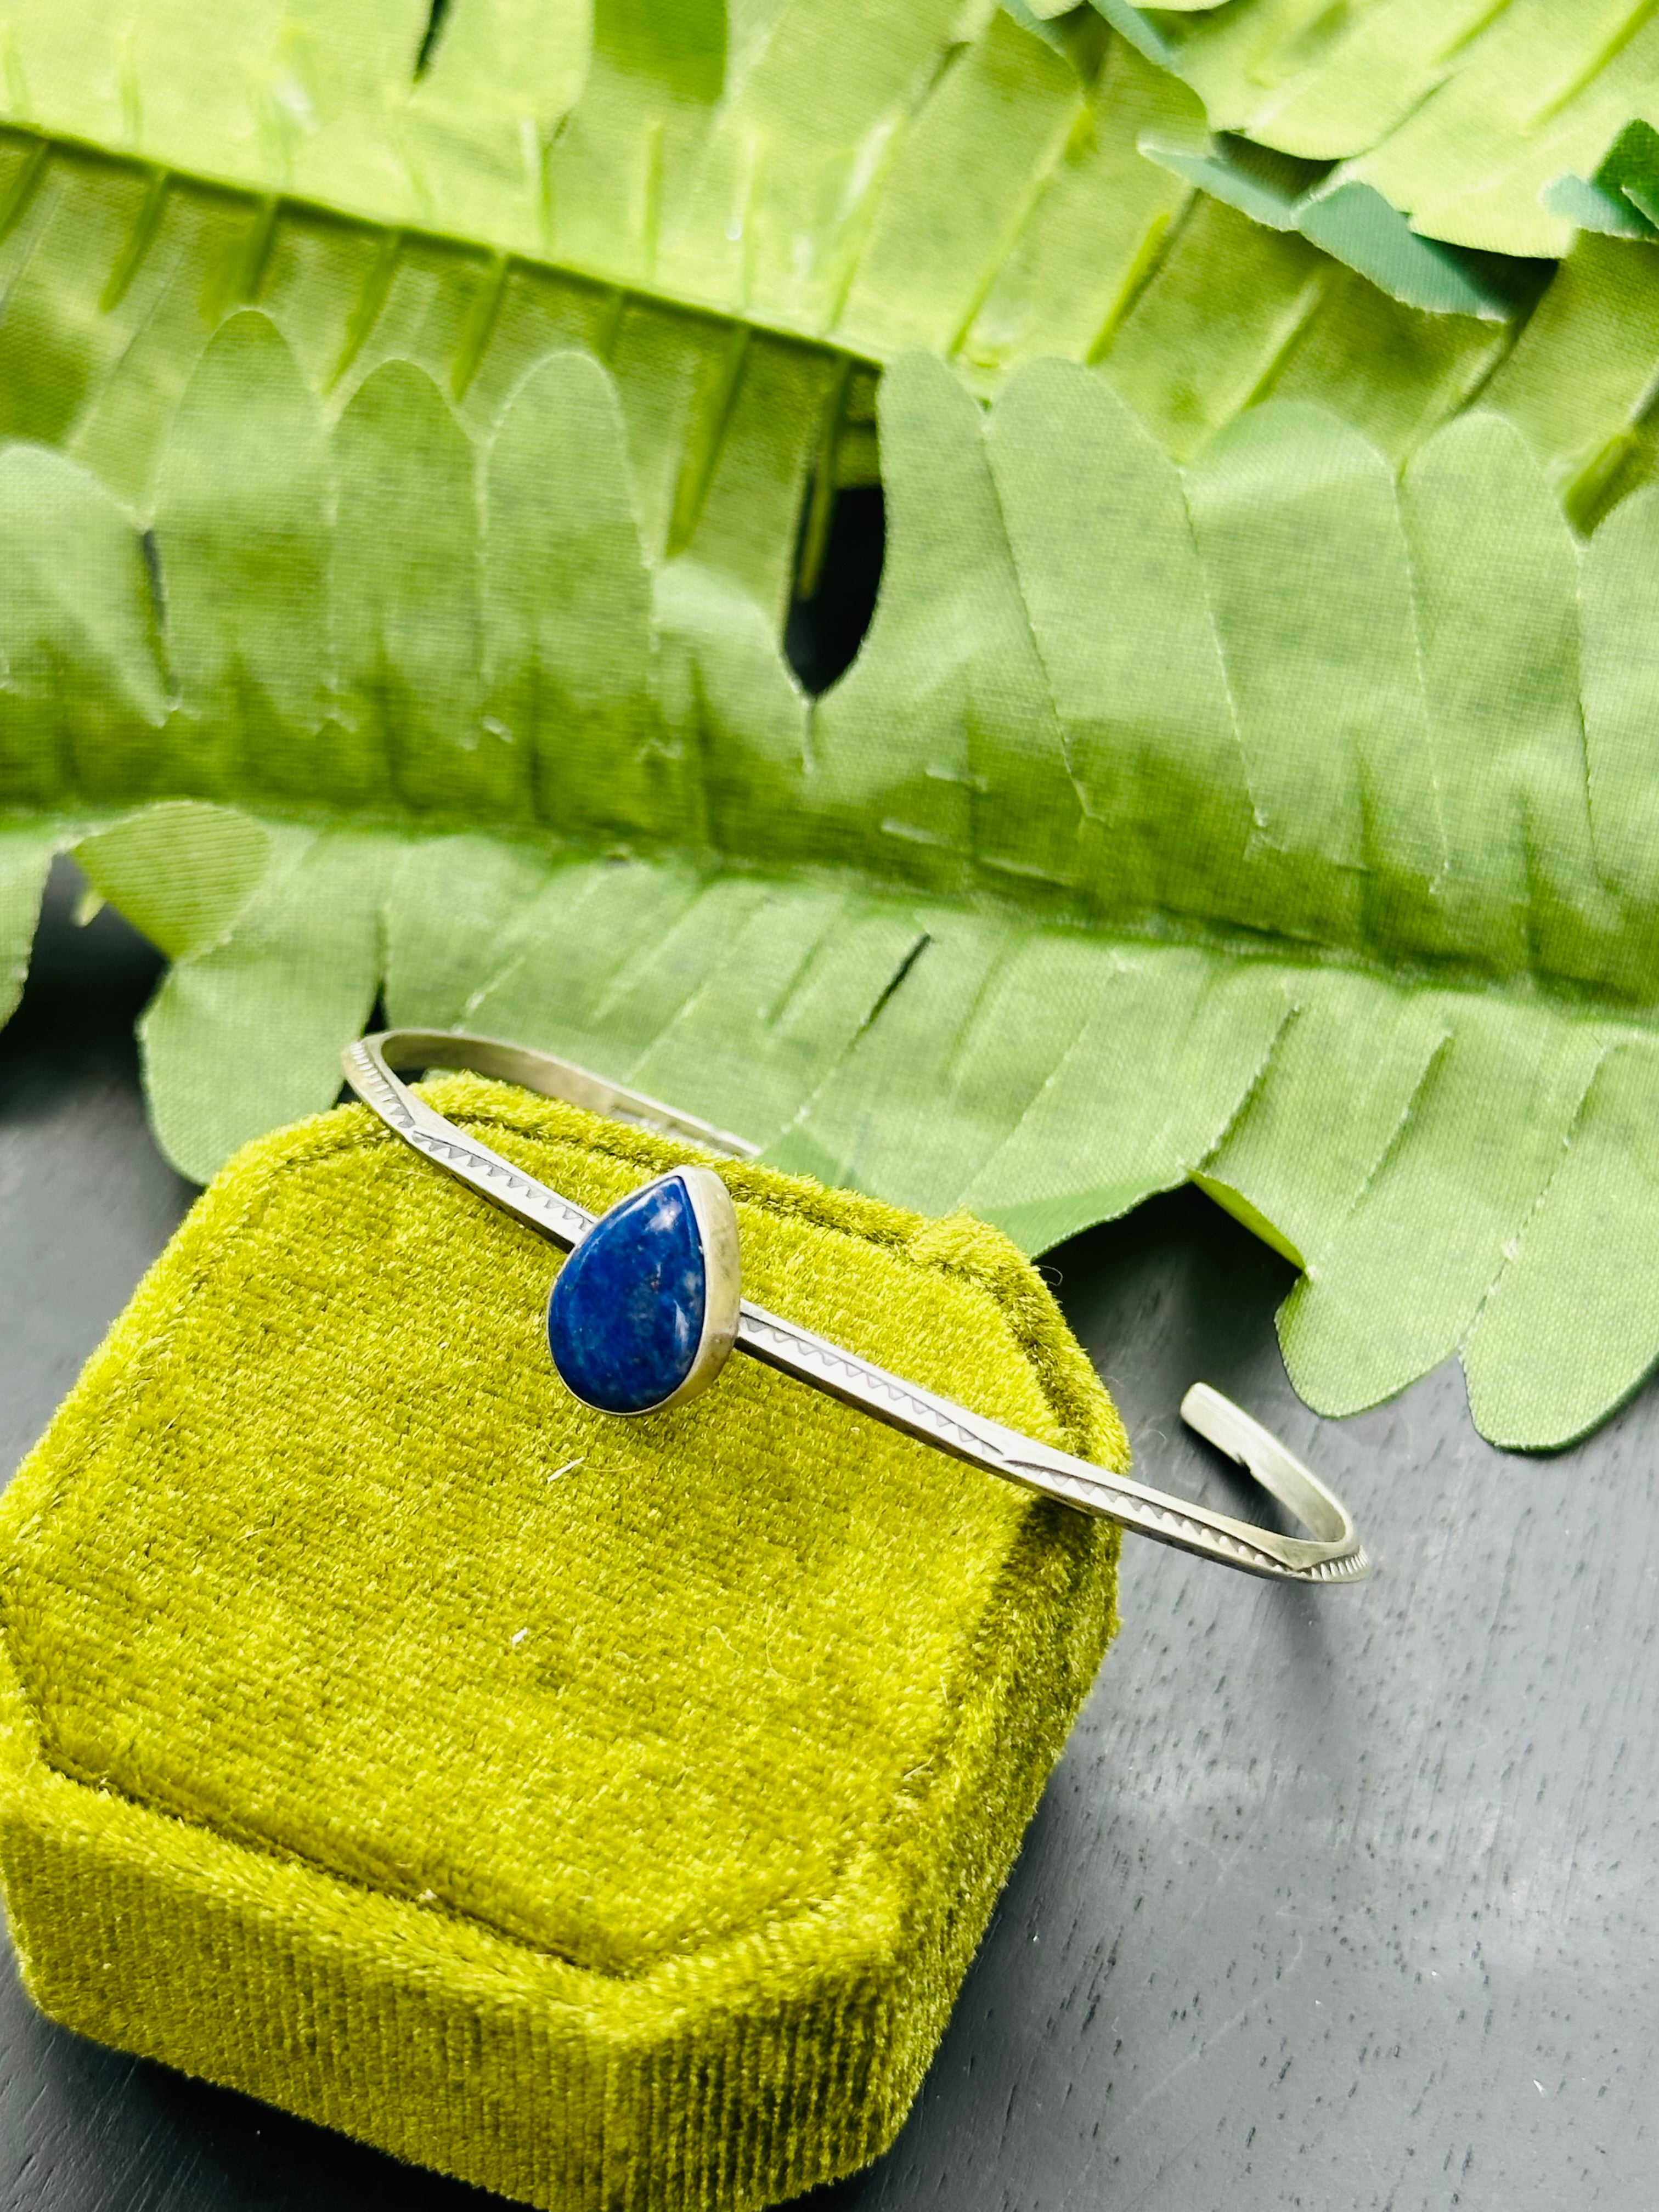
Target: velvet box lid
x: 602, y: 1812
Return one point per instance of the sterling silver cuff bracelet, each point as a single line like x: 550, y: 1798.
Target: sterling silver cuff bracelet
x: 645, y: 1313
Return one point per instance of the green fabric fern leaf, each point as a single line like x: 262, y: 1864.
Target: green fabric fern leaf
x: 1246, y: 777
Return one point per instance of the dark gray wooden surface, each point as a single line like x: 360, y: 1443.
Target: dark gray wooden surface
x: 1337, y: 1898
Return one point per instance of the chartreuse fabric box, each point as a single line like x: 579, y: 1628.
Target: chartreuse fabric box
x: 604, y: 1812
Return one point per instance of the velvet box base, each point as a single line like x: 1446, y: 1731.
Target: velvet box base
x: 605, y: 1812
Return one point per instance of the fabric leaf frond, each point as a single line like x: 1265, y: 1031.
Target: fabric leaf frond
x: 559, y: 176
x: 1462, y: 116
x: 1280, y: 821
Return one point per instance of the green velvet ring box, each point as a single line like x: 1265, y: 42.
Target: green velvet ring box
x: 603, y: 1812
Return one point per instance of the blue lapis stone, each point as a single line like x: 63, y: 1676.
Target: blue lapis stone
x: 625, y: 1320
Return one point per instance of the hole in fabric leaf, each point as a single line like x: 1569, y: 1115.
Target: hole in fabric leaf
x: 434, y: 31
x: 825, y: 630
x: 898, y: 977
x: 158, y: 597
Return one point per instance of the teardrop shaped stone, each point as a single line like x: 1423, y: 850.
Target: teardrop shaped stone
x: 625, y: 1319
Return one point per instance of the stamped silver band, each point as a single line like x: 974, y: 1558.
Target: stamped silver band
x: 1331, y: 1552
